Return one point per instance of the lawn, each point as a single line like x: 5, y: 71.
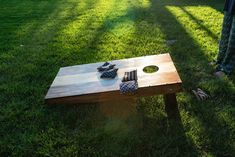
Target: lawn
x: 39, y: 37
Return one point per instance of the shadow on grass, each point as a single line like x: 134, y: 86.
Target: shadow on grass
x: 187, y: 3
x: 42, y: 55
x: 209, y: 32
x: 191, y: 61
x: 162, y: 134
x: 193, y: 55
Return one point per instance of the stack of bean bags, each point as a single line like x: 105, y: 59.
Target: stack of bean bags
x: 129, y: 82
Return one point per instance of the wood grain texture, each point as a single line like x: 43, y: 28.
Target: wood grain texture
x: 82, y: 83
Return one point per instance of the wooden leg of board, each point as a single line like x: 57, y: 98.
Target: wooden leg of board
x: 171, y: 105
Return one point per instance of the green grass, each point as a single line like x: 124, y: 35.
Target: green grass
x: 39, y: 37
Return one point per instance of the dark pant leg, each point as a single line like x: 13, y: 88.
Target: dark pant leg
x: 228, y: 63
x: 223, y: 45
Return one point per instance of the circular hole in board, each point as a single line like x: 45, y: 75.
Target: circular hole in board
x: 150, y: 69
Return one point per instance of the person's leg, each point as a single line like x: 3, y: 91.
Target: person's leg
x: 223, y: 45
x: 228, y: 64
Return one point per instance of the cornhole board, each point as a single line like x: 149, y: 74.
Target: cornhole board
x: 82, y: 84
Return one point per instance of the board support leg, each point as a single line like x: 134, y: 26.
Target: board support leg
x: 171, y: 105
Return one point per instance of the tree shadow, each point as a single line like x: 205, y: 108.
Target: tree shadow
x: 183, y: 3
x: 162, y: 134
x: 29, y: 48
x: 209, y: 32
x: 190, y: 64
x: 37, y: 72
x: 187, y: 63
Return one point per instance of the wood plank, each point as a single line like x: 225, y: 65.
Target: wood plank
x: 82, y: 83
x: 124, y: 63
x: 115, y: 95
x: 110, y: 85
x: 84, y: 78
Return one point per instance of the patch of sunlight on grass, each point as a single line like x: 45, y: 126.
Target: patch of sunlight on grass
x: 207, y: 16
x: 113, y: 40
x: 111, y: 29
x: 196, y: 132
x: 41, y: 32
x: 200, y: 25
x: 88, y: 22
x: 145, y: 3
x: 39, y: 37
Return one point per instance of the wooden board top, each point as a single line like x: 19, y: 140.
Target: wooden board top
x: 83, y: 82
